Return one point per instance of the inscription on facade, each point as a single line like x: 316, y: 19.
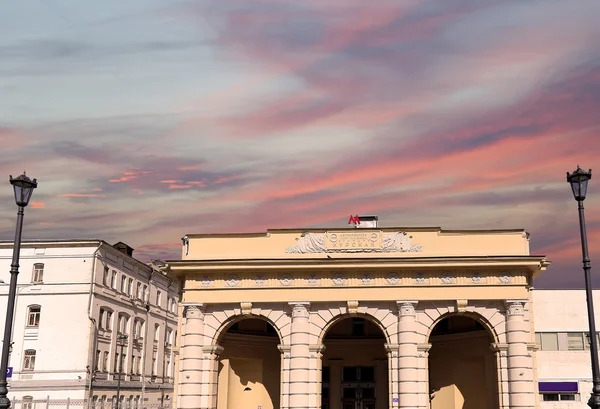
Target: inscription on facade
x: 349, y: 242
x: 353, y: 240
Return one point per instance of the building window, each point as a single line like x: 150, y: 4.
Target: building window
x: 548, y: 341
x: 106, y: 277
x: 140, y: 295
x: 358, y: 327
x: 555, y: 397
x: 558, y: 391
x: 123, y: 283
x: 33, y: 315
x: 123, y: 324
x: 169, y: 337
x: 169, y: 301
x: 105, y: 319
x: 38, y: 273
x: 97, y: 364
x: 130, y: 287
x: 145, y: 293
x: 138, y: 328
x: 156, y: 333
x: 29, y: 360
x: 158, y: 299
x: 575, y: 341
x: 94, y: 401
x: 154, y: 363
x: 113, y: 280
x: 27, y: 402
x: 174, y: 307
x: 105, y: 363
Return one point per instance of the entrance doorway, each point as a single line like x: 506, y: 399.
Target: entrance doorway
x: 355, y: 369
x: 462, y: 367
x: 358, y: 387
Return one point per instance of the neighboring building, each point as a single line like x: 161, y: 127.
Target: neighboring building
x: 369, y: 318
x: 73, y: 298
x: 562, y: 333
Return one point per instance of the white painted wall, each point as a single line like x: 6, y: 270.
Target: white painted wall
x: 564, y: 311
x: 66, y: 339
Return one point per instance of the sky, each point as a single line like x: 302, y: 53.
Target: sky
x: 147, y: 120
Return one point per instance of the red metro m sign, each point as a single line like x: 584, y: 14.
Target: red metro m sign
x: 354, y: 219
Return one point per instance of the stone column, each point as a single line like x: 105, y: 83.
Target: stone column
x: 299, y: 361
x: 423, y: 375
x: 408, y: 362
x: 521, y: 387
x: 500, y: 352
x: 335, y: 383
x: 210, y: 376
x: 190, y: 375
x: 285, y: 376
x: 316, y: 375
x: 392, y: 352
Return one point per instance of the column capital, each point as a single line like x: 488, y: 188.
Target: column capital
x: 406, y: 307
x: 285, y: 350
x: 193, y: 310
x: 499, y: 348
x: 299, y: 308
x: 316, y: 350
x: 515, y: 307
x: 212, y: 351
x: 392, y: 349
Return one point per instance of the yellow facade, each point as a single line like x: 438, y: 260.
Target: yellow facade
x: 357, y: 319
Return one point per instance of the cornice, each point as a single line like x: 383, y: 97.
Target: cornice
x: 323, y: 262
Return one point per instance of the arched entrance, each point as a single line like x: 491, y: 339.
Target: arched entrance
x: 355, y: 366
x: 249, y: 366
x: 462, y: 367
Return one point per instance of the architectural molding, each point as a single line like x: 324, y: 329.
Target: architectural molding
x: 461, y: 305
x: 246, y: 308
x: 352, y: 307
x: 212, y: 351
x: 406, y: 307
x: 195, y: 310
x: 316, y: 351
x: 515, y: 307
x: 299, y: 308
x: 377, y: 242
x: 285, y: 350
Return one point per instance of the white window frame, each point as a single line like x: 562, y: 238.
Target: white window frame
x: 37, y: 275
x: 34, y: 316
x: 29, y: 360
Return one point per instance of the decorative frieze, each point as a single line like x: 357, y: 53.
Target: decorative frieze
x: 205, y: 280
x: 312, y: 279
x: 476, y: 277
x: 354, y: 242
x: 419, y: 278
x: 232, y: 280
x: 447, y: 278
x: 338, y: 279
x: 286, y: 279
x: 365, y: 278
x: 393, y: 278
x: 505, y: 278
x: 260, y: 280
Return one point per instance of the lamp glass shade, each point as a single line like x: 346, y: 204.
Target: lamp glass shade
x: 23, y: 187
x: 579, y: 181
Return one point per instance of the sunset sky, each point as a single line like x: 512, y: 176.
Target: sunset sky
x: 145, y: 120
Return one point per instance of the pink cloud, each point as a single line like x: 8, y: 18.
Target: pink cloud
x: 179, y: 186
x: 37, y: 205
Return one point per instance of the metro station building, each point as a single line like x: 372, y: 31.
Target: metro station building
x: 367, y: 318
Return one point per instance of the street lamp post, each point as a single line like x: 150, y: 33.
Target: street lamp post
x: 579, y: 180
x: 23, y: 187
x: 121, y: 341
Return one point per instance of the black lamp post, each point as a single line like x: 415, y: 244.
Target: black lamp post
x: 121, y: 341
x: 579, y: 180
x: 23, y: 187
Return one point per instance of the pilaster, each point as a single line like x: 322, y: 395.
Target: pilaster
x: 300, y: 384
x: 521, y: 387
x: 285, y: 376
x: 501, y: 355
x: 315, y: 375
x: 408, y: 361
x: 191, y: 358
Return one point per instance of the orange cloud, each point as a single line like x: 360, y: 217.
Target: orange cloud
x: 179, y: 186
x: 37, y: 205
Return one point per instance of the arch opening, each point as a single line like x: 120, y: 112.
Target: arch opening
x: 463, y: 371
x: 249, y: 365
x: 354, y: 365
